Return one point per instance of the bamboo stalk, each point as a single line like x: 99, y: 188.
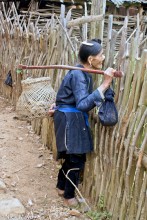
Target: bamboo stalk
x: 142, y: 197
x: 122, y: 145
x: 83, y: 20
x: 66, y: 35
x: 140, y: 78
x: 130, y: 208
x: 107, y: 57
x: 132, y: 147
x: 143, y: 92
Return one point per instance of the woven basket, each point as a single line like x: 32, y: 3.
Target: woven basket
x: 36, y: 98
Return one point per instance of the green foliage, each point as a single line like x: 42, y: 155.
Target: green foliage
x: 100, y: 213
x: 101, y: 203
x: 96, y: 215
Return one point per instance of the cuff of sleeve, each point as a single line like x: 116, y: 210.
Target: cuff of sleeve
x: 98, y: 100
x: 101, y: 93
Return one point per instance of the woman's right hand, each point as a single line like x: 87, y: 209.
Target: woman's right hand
x: 52, y: 110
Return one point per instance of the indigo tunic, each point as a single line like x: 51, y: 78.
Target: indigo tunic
x: 73, y: 136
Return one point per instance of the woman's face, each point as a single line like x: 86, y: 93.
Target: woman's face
x: 97, y: 61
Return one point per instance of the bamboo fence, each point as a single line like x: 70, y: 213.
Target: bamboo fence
x: 116, y: 170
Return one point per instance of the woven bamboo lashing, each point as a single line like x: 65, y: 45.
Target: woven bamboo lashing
x: 36, y: 98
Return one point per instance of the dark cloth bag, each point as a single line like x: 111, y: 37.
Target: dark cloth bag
x: 8, y: 80
x: 108, y: 114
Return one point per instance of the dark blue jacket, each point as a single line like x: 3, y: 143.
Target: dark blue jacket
x: 72, y: 133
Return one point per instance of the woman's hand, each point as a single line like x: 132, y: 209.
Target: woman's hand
x: 52, y: 110
x: 108, y: 76
x: 109, y: 72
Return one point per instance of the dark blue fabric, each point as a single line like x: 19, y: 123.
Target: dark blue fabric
x: 69, y: 108
x: 108, y: 114
x: 76, y: 89
x: 71, y: 162
x: 72, y: 133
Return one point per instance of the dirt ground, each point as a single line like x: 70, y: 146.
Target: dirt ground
x: 28, y: 168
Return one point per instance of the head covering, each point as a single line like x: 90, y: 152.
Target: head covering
x: 89, y: 48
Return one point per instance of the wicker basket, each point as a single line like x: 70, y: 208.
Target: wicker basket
x: 36, y: 97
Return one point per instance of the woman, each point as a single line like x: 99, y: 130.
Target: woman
x: 74, y: 100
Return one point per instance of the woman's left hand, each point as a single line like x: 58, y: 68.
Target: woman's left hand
x: 108, y: 76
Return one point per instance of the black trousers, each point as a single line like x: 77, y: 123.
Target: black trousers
x: 72, y: 166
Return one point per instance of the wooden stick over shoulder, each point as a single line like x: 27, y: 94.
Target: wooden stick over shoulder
x: 66, y: 67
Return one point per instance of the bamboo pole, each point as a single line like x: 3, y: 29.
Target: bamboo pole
x: 142, y: 197
x: 132, y: 147
x: 83, y: 20
x: 140, y: 78
x: 109, y: 39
